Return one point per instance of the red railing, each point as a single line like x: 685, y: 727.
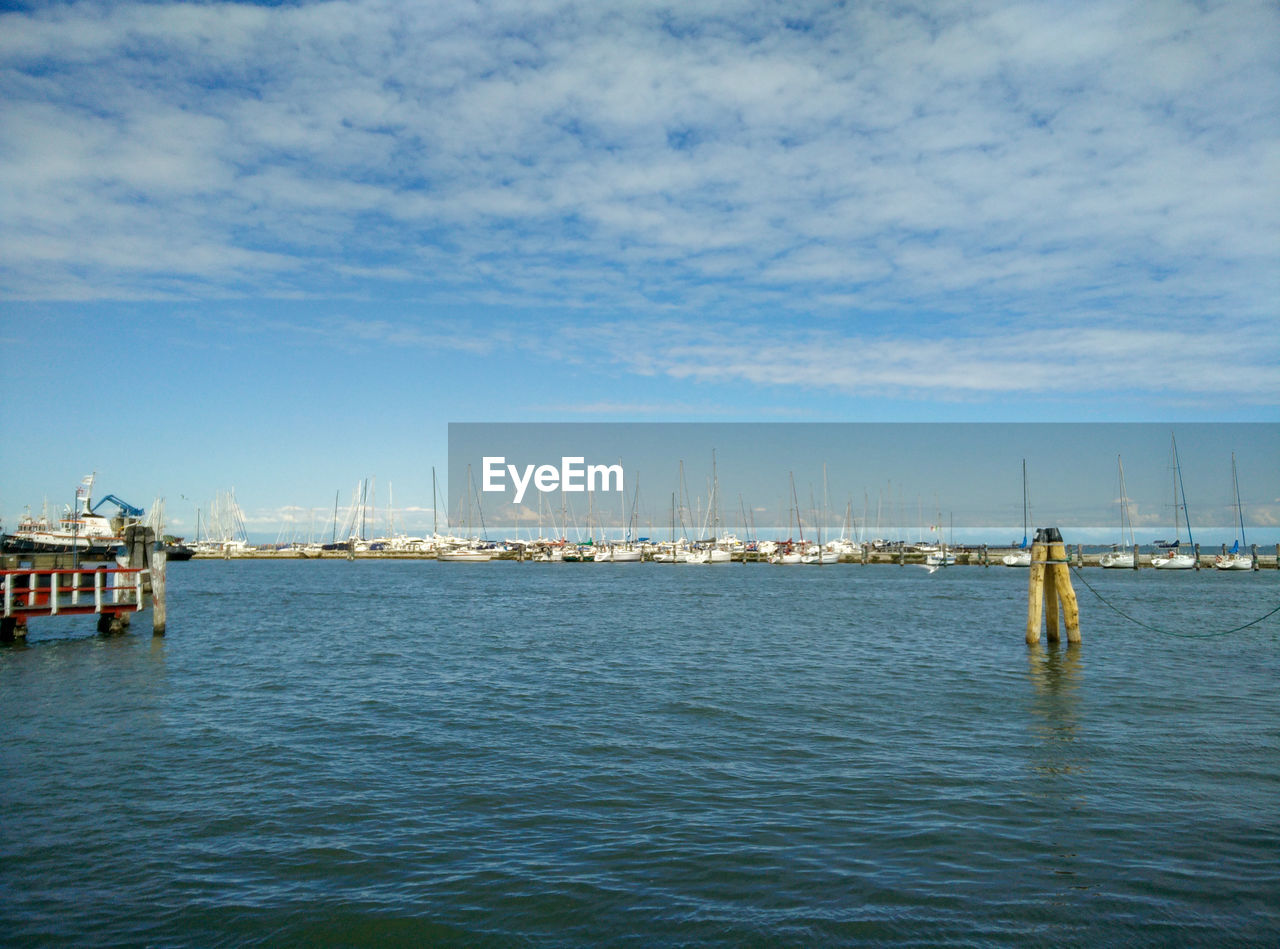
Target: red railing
x: 29, y: 592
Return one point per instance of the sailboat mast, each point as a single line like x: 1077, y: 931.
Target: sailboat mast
x: 1024, y: 502
x: 1235, y: 483
x: 1177, y: 467
x: 796, y: 501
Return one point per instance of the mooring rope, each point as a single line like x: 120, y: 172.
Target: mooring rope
x: 1164, y: 632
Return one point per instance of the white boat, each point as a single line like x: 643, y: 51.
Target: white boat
x: 821, y: 557
x: 1022, y: 556
x: 465, y: 555
x: 944, y: 558
x: 1235, y: 559
x: 1122, y: 557
x: 82, y: 531
x: 1171, y: 559
x: 1117, y: 559
x: 619, y: 554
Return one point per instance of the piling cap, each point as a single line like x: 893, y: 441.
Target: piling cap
x: 1048, y: 535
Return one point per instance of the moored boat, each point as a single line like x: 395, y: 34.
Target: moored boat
x: 83, y: 531
x: 465, y: 555
x: 1234, y: 559
x: 1121, y: 558
x: 1171, y: 558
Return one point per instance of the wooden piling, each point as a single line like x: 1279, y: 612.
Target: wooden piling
x: 1062, y: 588
x: 159, y: 560
x: 1051, y: 609
x: 1049, y: 589
x: 1035, y: 591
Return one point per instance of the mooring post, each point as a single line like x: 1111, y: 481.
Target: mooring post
x: 1051, y: 610
x: 159, y: 560
x: 1196, y: 549
x: 1049, y: 588
x: 1035, y: 590
x: 1135, y: 556
x: 1065, y: 592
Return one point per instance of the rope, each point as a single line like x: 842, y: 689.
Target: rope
x: 1080, y: 573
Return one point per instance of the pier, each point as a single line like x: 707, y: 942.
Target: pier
x: 41, y: 585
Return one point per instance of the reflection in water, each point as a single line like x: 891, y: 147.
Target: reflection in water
x: 1055, y: 675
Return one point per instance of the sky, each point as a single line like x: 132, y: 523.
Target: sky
x: 280, y: 248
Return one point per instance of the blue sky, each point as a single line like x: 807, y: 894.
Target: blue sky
x: 281, y: 247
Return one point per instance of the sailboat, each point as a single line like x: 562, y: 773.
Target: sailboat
x: 1235, y: 559
x: 1022, y: 558
x: 1171, y: 559
x: 469, y: 551
x: 787, y: 554
x: 1122, y: 556
x: 713, y: 550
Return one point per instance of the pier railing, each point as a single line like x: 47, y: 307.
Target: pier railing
x: 33, y: 592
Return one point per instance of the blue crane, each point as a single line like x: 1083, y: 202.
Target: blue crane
x: 127, y: 509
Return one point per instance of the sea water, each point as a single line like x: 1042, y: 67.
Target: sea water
x: 414, y: 753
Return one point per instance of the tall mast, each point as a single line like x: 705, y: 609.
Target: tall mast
x: 1181, y: 490
x: 1235, y: 482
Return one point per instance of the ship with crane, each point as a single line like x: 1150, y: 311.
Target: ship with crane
x: 85, y: 530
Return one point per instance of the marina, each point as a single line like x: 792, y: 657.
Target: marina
x: 644, y: 756
x: 660, y: 554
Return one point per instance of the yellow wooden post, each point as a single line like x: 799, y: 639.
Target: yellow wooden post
x: 1035, y: 592
x: 1049, y: 589
x: 1051, y: 599
x: 1063, y: 590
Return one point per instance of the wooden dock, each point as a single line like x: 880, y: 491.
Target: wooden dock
x: 55, y: 584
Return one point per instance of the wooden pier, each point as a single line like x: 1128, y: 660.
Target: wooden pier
x: 47, y: 584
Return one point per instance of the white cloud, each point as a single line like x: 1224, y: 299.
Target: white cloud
x: 1110, y: 167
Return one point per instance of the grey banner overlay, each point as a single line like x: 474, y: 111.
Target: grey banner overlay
x: 868, y: 479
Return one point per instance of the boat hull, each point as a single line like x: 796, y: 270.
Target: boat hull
x: 1233, y: 562
x: 464, y: 556
x: 1116, y: 561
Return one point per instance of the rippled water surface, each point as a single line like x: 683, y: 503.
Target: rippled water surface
x: 582, y: 755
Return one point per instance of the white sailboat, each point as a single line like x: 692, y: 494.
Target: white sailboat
x: 1122, y: 556
x: 470, y: 550
x: 788, y: 554
x: 1022, y: 556
x: 1235, y: 559
x: 1172, y: 559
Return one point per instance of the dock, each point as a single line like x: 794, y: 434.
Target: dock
x: 39, y: 585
